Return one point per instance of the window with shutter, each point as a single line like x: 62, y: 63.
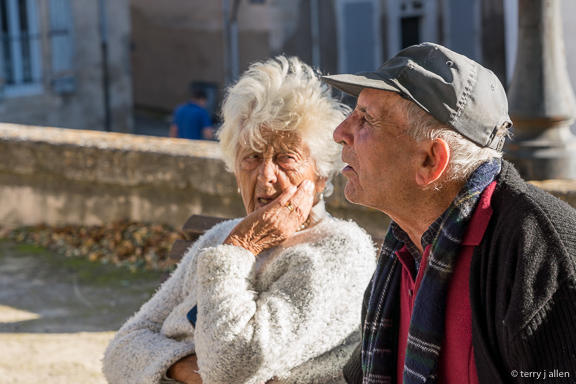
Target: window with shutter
x: 20, y: 61
x: 62, y: 44
x: 359, y: 36
x: 462, y: 27
x: 410, y: 22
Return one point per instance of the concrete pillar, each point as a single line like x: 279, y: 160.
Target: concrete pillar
x: 542, y: 103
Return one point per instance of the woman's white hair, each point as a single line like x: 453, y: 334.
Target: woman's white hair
x: 283, y: 94
x: 465, y: 155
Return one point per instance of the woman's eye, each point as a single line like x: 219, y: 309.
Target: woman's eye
x: 252, y: 157
x: 286, y: 158
x: 287, y: 161
x: 250, y: 162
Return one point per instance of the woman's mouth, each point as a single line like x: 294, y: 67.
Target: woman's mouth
x: 265, y: 200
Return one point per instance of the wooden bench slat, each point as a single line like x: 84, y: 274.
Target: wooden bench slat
x: 178, y: 249
x: 196, y: 225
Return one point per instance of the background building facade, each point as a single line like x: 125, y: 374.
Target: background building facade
x: 175, y: 43
x: 88, y: 63
x: 66, y: 63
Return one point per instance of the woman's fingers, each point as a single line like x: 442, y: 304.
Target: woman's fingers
x: 296, y: 203
x: 305, y: 190
x: 283, y: 181
x: 270, y: 225
x: 303, y: 198
x: 286, y: 195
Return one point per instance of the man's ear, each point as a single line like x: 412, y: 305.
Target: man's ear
x: 434, y: 158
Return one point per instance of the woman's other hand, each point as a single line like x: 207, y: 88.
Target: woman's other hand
x: 185, y: 370
x: 276, y: 222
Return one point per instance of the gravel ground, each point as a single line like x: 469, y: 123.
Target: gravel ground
x: 57, y: 313
x: 52, y: 358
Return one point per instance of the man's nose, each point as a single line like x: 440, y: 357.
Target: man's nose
x: 343, y: 133
x: 268, y: 172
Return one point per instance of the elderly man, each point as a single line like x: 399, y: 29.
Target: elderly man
x: 476, y: 281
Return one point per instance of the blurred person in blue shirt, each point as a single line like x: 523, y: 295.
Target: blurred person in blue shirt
x: 191, y: 120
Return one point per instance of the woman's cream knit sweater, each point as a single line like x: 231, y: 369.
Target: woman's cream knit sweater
x: 292, y: 313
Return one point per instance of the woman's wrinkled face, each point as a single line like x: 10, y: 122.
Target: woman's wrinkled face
x: 263, y: 175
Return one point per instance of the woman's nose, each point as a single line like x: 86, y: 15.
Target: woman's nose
x: 268, y: 172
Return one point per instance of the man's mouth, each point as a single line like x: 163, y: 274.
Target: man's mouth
x: 346, y: 163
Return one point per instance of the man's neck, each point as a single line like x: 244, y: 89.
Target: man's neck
x: 424, y: 210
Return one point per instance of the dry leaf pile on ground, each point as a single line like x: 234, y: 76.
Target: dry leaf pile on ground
x: 136, y: 245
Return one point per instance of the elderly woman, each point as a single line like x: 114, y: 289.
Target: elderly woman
x: 275, y: 295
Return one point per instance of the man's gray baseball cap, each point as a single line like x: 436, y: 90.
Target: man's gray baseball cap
x: 454, y: 89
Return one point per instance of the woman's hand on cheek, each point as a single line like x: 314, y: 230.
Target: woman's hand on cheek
x: 274, y: 223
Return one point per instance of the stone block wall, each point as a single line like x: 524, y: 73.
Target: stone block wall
x: 63, y: 176
x: 59, y: 176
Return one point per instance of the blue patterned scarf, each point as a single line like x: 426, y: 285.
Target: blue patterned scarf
x: 426, y: 332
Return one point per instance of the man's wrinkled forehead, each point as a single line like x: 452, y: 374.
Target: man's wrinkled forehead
x: 376, y: 104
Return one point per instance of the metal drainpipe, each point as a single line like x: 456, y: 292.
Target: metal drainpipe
x: 230, y: 30
x: 234, y: 40
x: 105, y: 73
x: 315, y: 32
x: 542, y: 103
x: 226, y: 40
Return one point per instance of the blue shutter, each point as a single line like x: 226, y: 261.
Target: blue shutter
x: 62, y: 44
x: 462, y: 27
x: 360, y: 42
x: 3, y: 43
x: 21, y: 64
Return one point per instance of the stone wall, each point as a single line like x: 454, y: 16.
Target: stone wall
x: 58, y: 176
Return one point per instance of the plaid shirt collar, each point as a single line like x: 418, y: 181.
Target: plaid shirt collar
x: 426, y: 240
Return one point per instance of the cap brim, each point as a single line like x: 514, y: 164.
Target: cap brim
x: 354, y: 84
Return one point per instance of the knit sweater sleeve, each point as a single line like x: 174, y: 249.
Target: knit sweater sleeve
x: 524, y: 309
x: 548, y: 342
x: 141, y: 352
x: 539, y: 321
x: 311, y: 307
